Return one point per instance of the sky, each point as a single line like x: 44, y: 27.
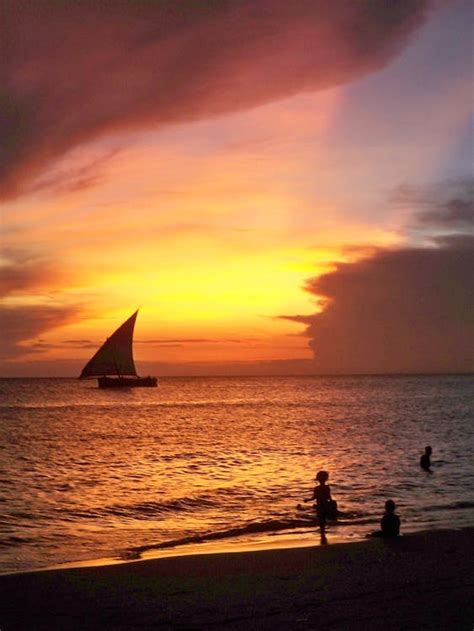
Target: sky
x: 280, y: 188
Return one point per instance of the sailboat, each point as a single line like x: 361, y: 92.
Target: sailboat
x: 113, y: 363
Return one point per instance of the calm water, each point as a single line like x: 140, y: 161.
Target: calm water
x: 86, y: 473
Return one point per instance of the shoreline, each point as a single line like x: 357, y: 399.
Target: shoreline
x: 421, y: 579
x: 206, y: 547
x: 230, y: 545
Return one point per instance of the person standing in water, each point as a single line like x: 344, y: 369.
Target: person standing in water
x: 425, y: 460
x: 325, y: 505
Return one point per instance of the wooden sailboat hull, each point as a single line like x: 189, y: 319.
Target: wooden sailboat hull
x: 127, y: 382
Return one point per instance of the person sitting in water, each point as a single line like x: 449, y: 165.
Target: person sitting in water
x: 390, y: 524
x: 425, y: 460
x: 326, y: 507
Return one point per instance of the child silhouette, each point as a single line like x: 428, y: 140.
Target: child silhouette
x: 390, y: 524
x: 326, y: 507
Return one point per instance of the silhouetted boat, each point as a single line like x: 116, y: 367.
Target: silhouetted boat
x: 113, y: 363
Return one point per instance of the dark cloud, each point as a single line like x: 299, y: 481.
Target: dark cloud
x: 22, y: 324
x: 72, y: 71
x: 41, y: 346
x: 444, y: 206
x: 406, y: 310
x: 193, y: 340
x: 21, y: 271
x: 80, y: 343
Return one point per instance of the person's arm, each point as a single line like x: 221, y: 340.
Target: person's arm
x: 310, y: 499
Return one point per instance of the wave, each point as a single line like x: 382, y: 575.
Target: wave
x: 461, y: 505
x: 15, y: 541
x: 154, y: 510
x: 269, y: 527
x: 144, y: 510
x: 306, y: 520
x: 112, y: 407
x: 252, y: 528
x: 68, y: 407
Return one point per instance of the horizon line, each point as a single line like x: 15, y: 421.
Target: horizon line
x: 238, y: 376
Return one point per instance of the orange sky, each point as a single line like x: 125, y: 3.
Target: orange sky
x: 212, y: 227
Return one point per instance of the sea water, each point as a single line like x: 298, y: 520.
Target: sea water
x: 88, y: 473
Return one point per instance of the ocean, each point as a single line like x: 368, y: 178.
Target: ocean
x: 224, y: 463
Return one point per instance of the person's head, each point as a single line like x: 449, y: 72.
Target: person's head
x: 390, y: 506
x: 428, y: 450
x: 322, y: 477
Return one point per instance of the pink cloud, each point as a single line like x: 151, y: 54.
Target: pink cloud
x: 74, y: 71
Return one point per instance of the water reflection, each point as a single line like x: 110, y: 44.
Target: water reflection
x: 87, y: 472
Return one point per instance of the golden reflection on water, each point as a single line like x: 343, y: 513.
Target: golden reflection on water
x: 88, y: 473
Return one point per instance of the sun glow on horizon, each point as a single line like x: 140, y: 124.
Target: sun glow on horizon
x: 215, y: 224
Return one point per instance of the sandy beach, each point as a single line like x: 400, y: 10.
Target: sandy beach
x: 424, y: 580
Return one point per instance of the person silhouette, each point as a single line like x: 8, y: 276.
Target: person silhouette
x: 326, y: 507
x: 425, y: 460
x: 390, y: 524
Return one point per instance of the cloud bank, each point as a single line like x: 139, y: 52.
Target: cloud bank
x: 22, y: 324
x: 402, y: 311
x: 445, y: 206
x: 73, y: 71
x: 22, y: 271
x: 22, y: 274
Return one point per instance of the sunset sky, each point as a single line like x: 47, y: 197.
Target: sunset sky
x: 280, y: 187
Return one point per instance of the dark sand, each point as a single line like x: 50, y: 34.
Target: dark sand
x: 422, y: 581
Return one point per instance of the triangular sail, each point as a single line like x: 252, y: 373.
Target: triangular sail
x: 115, y: 356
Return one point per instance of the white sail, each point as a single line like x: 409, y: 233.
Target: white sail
x: 115, y: 356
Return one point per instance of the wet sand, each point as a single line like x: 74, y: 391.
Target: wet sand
x: 420, y: 581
